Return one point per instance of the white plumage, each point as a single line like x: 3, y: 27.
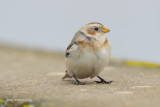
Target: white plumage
x: 88, y: 53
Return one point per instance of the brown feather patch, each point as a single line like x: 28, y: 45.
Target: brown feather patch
x: 94, y: 23
x: 91, y: 32
x: 104, y: 43
x: 84, y: 44
x: 92, y: 44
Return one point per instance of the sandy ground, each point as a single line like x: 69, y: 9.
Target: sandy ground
x: 36, y: 75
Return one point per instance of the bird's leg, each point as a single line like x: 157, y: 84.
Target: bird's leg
x: 103, y: 81
x: 77, y: 82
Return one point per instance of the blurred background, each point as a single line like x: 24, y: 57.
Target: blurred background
x: 51, y: 24
x: 34, y: 35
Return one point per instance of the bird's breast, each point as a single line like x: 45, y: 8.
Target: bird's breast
x: 88, y: 58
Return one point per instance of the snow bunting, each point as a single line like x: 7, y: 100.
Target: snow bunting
x: 88, y: 53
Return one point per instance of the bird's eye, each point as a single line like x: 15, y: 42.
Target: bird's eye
x: 96, y: 29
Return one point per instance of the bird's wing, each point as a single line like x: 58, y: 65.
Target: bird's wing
x: 80, y: 38
x: 72, y: 44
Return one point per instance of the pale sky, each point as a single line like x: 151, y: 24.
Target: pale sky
x: 51, y: 24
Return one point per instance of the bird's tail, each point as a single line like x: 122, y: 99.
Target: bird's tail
x: 66, y: 75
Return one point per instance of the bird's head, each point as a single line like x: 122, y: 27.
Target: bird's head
x: 94, y: 29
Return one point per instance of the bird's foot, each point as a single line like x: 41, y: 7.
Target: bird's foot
x: 103, y: 82
x: 79, y: 83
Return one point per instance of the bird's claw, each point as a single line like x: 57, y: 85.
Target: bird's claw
x: 103, y: 82
x: 79, y: 83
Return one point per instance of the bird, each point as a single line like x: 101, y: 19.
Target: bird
x: 88, y: 53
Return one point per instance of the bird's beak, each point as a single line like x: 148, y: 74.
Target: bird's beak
x: 105, y: 30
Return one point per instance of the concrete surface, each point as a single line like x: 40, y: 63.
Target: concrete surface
x: 36, y: 75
